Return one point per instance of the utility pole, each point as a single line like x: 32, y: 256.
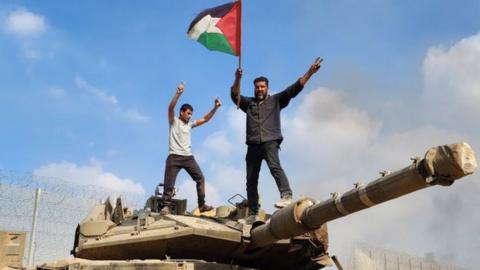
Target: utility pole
x: 31, y: 248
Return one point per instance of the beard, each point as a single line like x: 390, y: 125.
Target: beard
x: 260, y: 97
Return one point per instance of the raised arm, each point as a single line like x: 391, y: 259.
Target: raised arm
x: 236, y: 84
x: 294, y: 89
x: 173, y: 103
x: 209, y: 115
x: 312, y: 70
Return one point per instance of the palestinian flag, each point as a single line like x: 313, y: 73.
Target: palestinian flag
x: 218, y: 28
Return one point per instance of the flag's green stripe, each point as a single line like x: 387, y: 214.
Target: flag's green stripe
x: 216, y: 42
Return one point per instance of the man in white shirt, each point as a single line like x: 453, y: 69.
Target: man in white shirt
x: 180, y: 150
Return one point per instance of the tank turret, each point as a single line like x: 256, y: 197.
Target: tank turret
x: 292, y: 238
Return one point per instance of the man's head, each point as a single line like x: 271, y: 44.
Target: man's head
x: 186, y: 112
x: 261, y: 87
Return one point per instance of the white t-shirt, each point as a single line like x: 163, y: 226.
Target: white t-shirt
x: 179, y: 139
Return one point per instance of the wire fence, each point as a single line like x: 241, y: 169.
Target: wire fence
x: 369, y: 258
x: 62, y: 205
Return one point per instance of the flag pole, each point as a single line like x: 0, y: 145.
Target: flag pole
x: 239, y: 40
x: 239, y: 29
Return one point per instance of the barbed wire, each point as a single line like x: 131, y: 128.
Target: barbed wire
x: 62, y: 205
x: 368, y: 257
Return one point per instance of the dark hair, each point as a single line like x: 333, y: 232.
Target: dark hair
x: 185, y: 107
x: 260, y: 79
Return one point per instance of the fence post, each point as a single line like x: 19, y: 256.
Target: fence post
x: 31, y: 248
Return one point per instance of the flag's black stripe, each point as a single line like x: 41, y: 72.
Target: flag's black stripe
x: 216, y: 12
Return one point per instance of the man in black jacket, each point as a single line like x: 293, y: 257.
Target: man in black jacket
x: 264, y: 134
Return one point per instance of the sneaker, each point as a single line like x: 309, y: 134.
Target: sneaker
x: 205, y: 208
x: 283, y: 202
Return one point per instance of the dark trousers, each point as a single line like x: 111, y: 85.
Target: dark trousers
x: 173, y: 165
x: 267, y: 151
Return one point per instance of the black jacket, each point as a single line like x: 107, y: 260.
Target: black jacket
x: 263, y: 118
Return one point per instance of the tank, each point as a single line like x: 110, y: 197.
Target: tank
x: 295, y: 237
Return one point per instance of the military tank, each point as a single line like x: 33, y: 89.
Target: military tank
x: 294, y: 237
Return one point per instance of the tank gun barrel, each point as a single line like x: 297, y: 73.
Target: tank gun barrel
x: 442, y: 165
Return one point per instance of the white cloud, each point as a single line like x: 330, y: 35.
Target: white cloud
x: 228, y: 178
x: 326, y: 129
x: 221, y: 155
x: 102, y: 96
x: 326, y: 111
x: 452, y: 81
x: 226, y: 143
x: 98, y: 93
x: 218, y: 144
x: 24, y: 23
x: 229, y: 139
x: 236, y: 123
x: 27, y: 27
x: 135, y: 116
x: 187, y: 189
x: 396, y: 149
x: 92, y: 174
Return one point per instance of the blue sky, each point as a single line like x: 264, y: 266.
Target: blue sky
x: 85, y: 87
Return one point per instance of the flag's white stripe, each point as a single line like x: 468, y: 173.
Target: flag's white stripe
x: 206, y: 24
